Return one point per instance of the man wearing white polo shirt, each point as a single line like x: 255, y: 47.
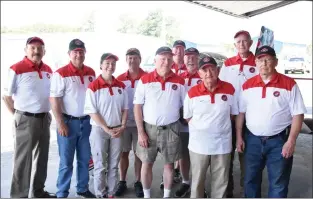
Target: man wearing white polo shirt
x: 67, y: 97
x: 158, y: 98
x: 274, y: 111
x: 26, y: 96
x: 192, y: 78
x: 107, y: 105
x: 130, y: 137
x: 208, y: 108
x: 236, y: 70
x: 178, y: 50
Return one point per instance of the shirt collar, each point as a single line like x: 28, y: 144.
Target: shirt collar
x: 239, y: 59
x: 159, y: 78
x: 30, y: 63
x: 104, y: 83
x: 75, y: 70
x: 274, y: 79
x: 205, y: 90
x: 187, y: 75
x: 141, y: 72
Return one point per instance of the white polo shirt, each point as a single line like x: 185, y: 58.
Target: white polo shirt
x: 178, y: 70
x: 107, y: 100
x: 130, y: 88
x: 29, y: 85
x: 71, y: 84
x: 210, y: 130
x: 270, y: 107
x: 190, y: 81
x: 161, y: 99
x: 237, y: 71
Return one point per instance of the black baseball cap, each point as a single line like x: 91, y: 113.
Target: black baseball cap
x: 133, y: 51
x: 265, y: 50
x: 106, y: 56
x: 192, y: 50
x: 77, y: 44
x: 207, y: 61
x: 244, y: 32
x: 34, y: 39
x: 163, y: 50
x: 179, y: 43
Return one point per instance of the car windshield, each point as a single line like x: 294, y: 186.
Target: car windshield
x: 296, y: 59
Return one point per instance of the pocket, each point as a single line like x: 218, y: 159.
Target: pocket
x: 174, y: 133
x: 20, y: 121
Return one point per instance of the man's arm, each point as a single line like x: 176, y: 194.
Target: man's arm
x: 239, y: 120
x: 9, y: 103
x: 56, y: 106
x: 138, y: 117
x: 295, y: 129
x: 100, y: 121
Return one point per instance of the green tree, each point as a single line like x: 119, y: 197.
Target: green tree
x: 152, y: 24
x: 127, y: 24
x: 90, y: 23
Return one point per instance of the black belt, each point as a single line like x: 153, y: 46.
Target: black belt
x: 76, y: 118
x: 161, y: 127
x: 113, y: 127
x: 37, y: 115
x: 284, y: 132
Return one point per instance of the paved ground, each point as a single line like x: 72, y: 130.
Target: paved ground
x: 300, y: 184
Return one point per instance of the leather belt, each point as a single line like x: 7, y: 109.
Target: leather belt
x: 37, y: 115
x: 76, y: 118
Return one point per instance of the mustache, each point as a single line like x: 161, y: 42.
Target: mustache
x: 37, y: 54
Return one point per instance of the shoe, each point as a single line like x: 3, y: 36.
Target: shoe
x: 205, y: 194
x: 43, y: 194
x: 183, y: 190
x: 138, y: 189
x: 121, y: 188
x: 162, y: 184
x: 111, y: 196
x: 177, y: 176
x: 86, y: 194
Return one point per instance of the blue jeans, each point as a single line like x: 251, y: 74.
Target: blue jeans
x: 260, y: 152
x: 78, y: 138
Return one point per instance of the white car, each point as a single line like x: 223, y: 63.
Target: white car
x: 296, y: 64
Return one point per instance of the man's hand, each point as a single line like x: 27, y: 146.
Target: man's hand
x: 63, y: 129
x: 240, y: 145
x: 288, y: 149
x: 143, y: 139
x: 118, y: 131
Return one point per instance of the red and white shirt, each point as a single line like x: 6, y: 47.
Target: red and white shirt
x: 29, y: 85
x: 237, y: 71
x: 71, y: 84
x: 161, y: 99
x: 190, y: 81
x: 269, y: 107
x: 179, y: 69
x: 109, y: 100
x: 130, y: 88
x: 210, y: 130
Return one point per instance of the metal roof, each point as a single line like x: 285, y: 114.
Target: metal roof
x: 242, y: 9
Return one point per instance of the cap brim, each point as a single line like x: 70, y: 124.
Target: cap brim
x: 162, y: 53
x: 112, y: 56
x: 191, y: 53
x: 79, y: 49
x: 36, y: 40
x: 205, y: 65
x: 179, y: 45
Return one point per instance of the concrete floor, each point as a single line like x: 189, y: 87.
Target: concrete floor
x: 300, y: 183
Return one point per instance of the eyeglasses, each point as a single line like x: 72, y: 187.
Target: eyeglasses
x: 259, y: 61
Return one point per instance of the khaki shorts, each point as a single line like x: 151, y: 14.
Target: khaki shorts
x: 130, y: 139
x: 184, y: 137
x: 165, y: 139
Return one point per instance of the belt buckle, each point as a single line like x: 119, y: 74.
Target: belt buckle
x: 161, y: 127
x: 265, y: 138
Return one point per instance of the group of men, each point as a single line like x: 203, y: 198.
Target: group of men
x: 190, y: 110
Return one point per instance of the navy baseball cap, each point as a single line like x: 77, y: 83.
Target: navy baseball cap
x: 34, y: 39
x: 106, y: 56
x: 207, y: 61
x: 163, y: 50
x: 265, y: 50
x: 190, y: 51
x: 179, y: 43
x: 77, y: 44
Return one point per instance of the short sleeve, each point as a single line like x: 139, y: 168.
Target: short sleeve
x: 234, y: 106
x: 139, y: 97
x: 187, y: 107
x: 222, y: 73
x: 57, y: 85
x: 296, y: 103
x: 125, y: 102
x: 11, y: 84
x: 242, y: 101
x: 90, y: 102
x: 182, y: 94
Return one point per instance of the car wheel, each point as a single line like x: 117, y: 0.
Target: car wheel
x: 286, y: 71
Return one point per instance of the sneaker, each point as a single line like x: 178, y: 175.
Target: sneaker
x: 86, y: 194
x: 177, y: 176
x: 162, y: 184
x: 138, y: 189
x: 205, y: 194
x: 182, y: 191
x: 121, y: 188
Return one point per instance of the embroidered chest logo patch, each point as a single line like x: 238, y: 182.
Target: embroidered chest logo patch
x: 252, y: 70
x: 224, y: 98
x: 174, y: 87
x: 90, y: 79
x: 199, y: 81
x: 48, y: 75
x: 119, y: 91
x: 276, y: 93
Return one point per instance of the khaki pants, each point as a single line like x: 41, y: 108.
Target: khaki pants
x: 106, y: 153
x: 31, y: 145
x: 219, y: 168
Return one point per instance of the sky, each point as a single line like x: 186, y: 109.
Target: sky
x: 292, y: 23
